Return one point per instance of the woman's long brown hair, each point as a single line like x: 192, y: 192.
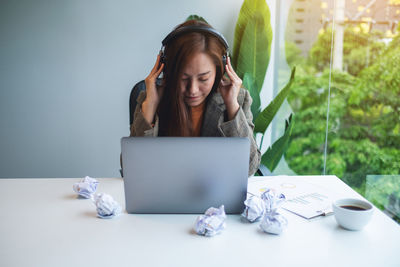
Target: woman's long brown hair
x: 173, y: 112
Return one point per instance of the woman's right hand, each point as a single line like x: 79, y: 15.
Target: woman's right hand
x: 153, y: 93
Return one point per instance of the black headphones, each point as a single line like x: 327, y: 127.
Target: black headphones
x: 194, y: 28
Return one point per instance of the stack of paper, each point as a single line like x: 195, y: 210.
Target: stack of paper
x: 303, y: 198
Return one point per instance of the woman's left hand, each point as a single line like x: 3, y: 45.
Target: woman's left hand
x: 229, y: 90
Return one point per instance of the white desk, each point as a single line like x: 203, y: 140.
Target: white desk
x: 42, y: 223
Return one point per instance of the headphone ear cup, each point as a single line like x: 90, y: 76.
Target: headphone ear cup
x: 224, y: 62
x: 162, y: 60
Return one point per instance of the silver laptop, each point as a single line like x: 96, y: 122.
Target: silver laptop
x: 184, y: 174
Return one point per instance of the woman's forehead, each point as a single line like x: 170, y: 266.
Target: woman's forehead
x: 199, y: 64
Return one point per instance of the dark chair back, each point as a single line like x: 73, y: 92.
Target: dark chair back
x: 139, y: 87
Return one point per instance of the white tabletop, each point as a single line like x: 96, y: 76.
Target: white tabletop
x: 43, y: 223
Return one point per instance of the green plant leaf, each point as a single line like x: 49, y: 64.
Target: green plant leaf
x: 249, y: 84
x: 274, y: 153
x: 248, y: 8
x: 252, y: 41
x: 264, y: 119
x: 196, y: 17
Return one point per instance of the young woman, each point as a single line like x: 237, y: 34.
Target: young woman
x: 194, y: 98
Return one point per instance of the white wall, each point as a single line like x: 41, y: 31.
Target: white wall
x: 66, y: 71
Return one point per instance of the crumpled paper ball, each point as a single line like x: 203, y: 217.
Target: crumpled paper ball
x: 107, y: 207
x: 273, y: 223
x: 255, y: 208
x: 86, y: 187
x: 272, y: 200
x: 212, y: 222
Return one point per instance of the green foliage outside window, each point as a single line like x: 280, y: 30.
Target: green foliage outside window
x: 364, y: 117
x: 360, y: 49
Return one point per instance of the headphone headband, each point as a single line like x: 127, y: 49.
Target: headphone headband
x: 195, y: 28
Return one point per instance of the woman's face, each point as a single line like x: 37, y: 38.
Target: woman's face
x: 197, y: 79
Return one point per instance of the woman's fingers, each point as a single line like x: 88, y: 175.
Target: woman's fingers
x: 229, y: 88
x: 159, y: 70
x: 156, y: 66
x: 225, y: 82
x: 155, y: 72
x: 232, y: 74
x: 231, y: 70
x: 154, y: 75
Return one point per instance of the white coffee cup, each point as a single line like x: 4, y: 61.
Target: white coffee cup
x: 352, y: 214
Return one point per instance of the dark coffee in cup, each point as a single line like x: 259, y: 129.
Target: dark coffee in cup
x: 351, y: 207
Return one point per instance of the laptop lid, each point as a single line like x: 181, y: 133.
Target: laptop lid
x: 185, y: 174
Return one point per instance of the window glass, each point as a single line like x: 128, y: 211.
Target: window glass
x: 346, y: 95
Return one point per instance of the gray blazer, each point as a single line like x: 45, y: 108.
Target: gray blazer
x: 214, y: 123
